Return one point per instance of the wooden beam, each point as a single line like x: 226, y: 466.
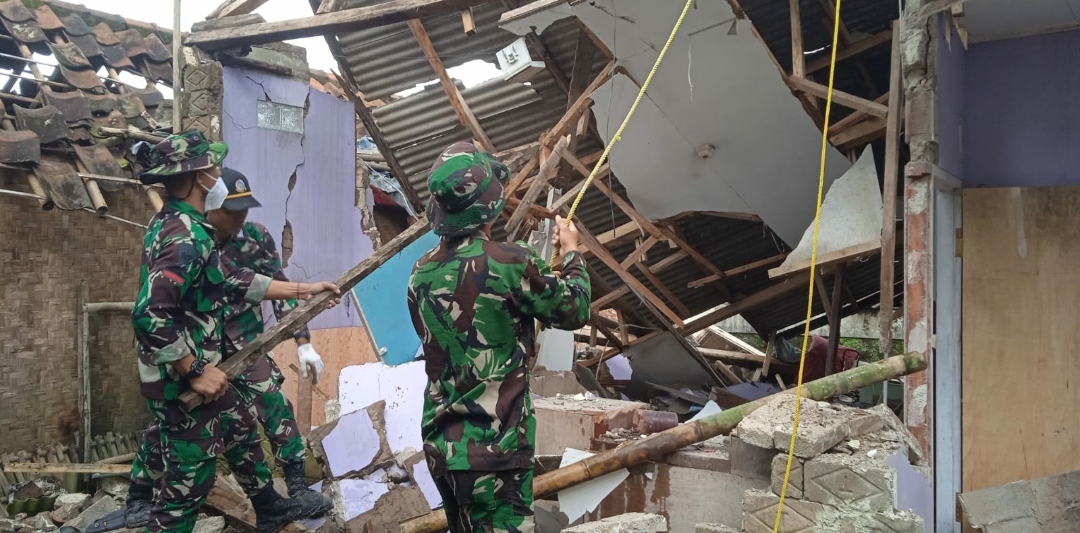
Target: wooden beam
x: 856, y: 48
x: 611, y: 336
x: 738, y: 270
x: 304, y: 389
x: 798, y: 60
x: 355, y: 19
x: 798, y: 281
x: 461, y: 108
x: 547, y: 171
x: 830, y: 11
x: 66, y: 468
x: 856, y: 117
x: 888, y: 212
x: 665, y: 291
x: 231, y: 8
x: 521, y: 176
x: 528, y: 10
x: 603, y: 301
x: 703, y: 262
x: 468, y: 21
x: 827, y: 259
x: 839, y: 97
x: 593, y: 361
x: 583, y: 64
x: 859, y: 134
x: 638, y: 253
x: 660, y: 266
x: 605, y: 257
x: 641, y: 220
x: 834, y: 326
x: 308, y: 310
x: 537, y: 45
x: 739, y: 358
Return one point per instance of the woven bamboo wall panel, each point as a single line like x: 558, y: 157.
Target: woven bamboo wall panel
x: 45, y: 255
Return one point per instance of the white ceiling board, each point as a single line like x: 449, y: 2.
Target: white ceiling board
x: 850, y: 214
x: 767, y: 150
x: 989, y: 20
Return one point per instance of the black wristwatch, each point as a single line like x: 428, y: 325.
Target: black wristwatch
x: 195, y: 371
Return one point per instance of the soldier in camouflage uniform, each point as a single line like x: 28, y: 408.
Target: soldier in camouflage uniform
x: 474, y: 303
x: 244, y: 245
x: 184, y: 290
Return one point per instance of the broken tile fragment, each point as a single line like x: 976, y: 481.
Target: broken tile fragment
x: 99, y: 509
x: 355, y: 444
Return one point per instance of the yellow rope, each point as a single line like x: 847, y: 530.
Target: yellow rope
x: 629, y: 115
x: 813, y: 270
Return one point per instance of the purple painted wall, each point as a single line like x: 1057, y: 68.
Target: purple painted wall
x: 951, y: 64
x: 1022, y: 114
x: 321, y: 205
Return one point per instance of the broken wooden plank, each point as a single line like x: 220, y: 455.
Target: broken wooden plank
x: 641, y: 220
x: 889, y: 186
x: 797, y: 281
x: 547, y: 171
x: 639, y: 252
x: 522, y: 175
x: 579, y: 106
x: 461, y: 107
x: 665, y: 291
x: 835, y: 304
x: 824, y: 260
x: 750, y: 267
x: 232, y: 8
x: 355, y: 19
x: 858, y: 135
x: 839, y: 97
x: 856, y: 48
x: 308, y: 310
x: 468, y: 21
x: 741, y: 359
x: 66, y: 468
x: 856, y: 117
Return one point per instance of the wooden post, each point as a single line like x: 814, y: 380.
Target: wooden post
x: 888, y: 212
x: 798, y: 60
x: 834, y: 325
x: 83, y: 344
x: 304, y: 390
x: 672, y: 440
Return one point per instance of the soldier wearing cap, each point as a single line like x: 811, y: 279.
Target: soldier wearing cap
x: 244, y: 245
x: 474, y: 303
x: 184, y: 289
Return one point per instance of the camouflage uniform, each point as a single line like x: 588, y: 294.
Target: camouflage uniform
x: 474, y: 303
x: 184, y: 290
x: 260, y: 385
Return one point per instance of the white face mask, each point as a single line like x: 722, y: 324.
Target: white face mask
x: 215, y: 196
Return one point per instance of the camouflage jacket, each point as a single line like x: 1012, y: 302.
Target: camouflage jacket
x: 253, y: 249
x: 473, y: 303
x: 183, y: 292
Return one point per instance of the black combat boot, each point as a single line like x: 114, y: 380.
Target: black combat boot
x: 140, y: 499
x: 298, y: 488
x: 273, y: 513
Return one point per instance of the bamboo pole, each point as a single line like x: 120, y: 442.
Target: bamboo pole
x: 679, y: 437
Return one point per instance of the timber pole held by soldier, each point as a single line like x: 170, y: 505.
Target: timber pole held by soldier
x: 474, y: 303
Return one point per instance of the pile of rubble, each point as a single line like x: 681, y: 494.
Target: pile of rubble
x: 853, y: 471
x: 41, y: 505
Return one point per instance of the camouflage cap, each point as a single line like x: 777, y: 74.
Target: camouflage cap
x: 466, y: 187
x: 180, y: 153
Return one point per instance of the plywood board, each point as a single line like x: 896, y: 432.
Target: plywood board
x: 339, y: 348
x: 1021, y: 299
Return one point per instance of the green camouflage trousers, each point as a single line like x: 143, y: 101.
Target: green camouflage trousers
x: 487, y: 502
x: 258, y: 388
x: 189, y: 443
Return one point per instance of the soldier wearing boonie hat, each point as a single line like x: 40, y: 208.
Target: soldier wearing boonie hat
x: 474, y: 303
x: 183, y: 291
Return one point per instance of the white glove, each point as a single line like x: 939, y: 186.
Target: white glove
x: 308, y: 357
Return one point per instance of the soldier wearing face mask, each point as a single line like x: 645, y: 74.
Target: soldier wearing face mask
x: 178, y: 318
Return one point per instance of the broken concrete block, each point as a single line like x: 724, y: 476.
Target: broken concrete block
x: 115, y: 486
x: 626, y: 523
x: 8, y: 525
x: 31, y: 490
x: 99, y: 509
x: 863, y: 423
x: 215, y: 524
x: 564, y: 422
x: 850, y: 482
x: 548, y: 384
x: 759, y: 513
x: 892, y: 422
x: 1049, y: 502
x: 795, y: 479
x: 66, y: 513
x: 838, y: 520
x: 79, y: 499
x: 814, y: 437
x: 355, y: 444
x: 396, y: 506
x: 714, y: 528
x: 750, y: 461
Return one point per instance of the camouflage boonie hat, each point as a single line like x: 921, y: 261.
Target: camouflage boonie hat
x: 180, y: 153
x: 466, y: 187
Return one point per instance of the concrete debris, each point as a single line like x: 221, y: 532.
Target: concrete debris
x: 40, y: 522
x: 714, y: 528
x: 851, y: 481
x: 78, y: 499
x: 750, y: 461
x: 115, y: 486
x: 567, y: 422
x: 214, y: 524
x: 626, y: 523
x: 391, y: 509
x: 795, y: 478
x: 821, y: 426
x: 548, y: 383
x: 99, y: 509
